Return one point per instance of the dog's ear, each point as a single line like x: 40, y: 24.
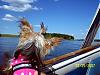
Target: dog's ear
x: 24, y: 23
x: 26, y: 31
x: 56, y: 41
x: 50, y: 43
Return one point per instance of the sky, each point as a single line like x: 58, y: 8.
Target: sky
x: 71, y: 17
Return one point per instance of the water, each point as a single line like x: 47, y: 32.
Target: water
x: 7, y: 45
x: 66, y: 46
x: 10, y: 44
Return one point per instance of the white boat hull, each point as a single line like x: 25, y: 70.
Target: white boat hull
x: 71, y: 64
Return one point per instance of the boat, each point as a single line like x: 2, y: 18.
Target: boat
x: 79, y: 58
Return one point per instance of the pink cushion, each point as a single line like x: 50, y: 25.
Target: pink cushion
x: 25, y: 71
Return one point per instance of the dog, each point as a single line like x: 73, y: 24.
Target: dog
x: 31, y: 49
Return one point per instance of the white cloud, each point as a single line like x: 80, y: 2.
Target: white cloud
x: 41, y: 8
x: 56, y: 0
x: 82, y: 33
x: 18, y: 1
x: 36, y: 8
x: 81, y: 30
x: 36, y: 25
x: 72, y: 34
x: 9, y: 17
x: 19, y: 8
x: 19, y: 5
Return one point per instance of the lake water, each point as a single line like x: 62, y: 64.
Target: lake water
x: 66, y: 46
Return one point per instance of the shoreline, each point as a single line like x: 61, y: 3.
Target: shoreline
x: 46, y: 35
x: 8, y: 35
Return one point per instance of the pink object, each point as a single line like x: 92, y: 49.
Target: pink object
x: 18, y: 61
x: 25, y: 71
x: 20, y: 64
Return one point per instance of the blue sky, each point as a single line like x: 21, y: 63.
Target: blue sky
x: 71, y: 17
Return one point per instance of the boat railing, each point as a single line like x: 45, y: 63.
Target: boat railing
x: 71, y: 54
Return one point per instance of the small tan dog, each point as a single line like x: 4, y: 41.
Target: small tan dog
x: 33, y: 44
x: 32, y: 47
x: 27, y: 35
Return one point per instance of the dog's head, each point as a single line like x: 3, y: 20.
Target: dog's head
x: 28, y: 36
x: 26, y: 33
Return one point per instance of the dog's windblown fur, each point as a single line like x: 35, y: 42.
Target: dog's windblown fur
x: 33, y: 44
x: 28, y: 35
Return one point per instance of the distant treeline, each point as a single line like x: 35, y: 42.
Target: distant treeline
x: 63, y: 36
x: 46, y: 35
x: 8, y: 35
